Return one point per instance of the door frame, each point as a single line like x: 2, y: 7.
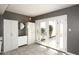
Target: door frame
x: 49, y: 19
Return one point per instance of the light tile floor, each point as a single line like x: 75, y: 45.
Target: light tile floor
x: 33, y: 49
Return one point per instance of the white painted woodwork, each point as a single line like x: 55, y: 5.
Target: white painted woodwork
x: 31, y: 33
x: 59, y: 43
x: 10, y: 35
x: 22, y: 40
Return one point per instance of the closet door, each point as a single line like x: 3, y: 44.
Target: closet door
x: 10, y: 35
x: 7, y: 38
x: 14, y: 34
x: 31, y: 33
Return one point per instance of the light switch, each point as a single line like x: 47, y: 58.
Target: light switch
x: 69, y: 29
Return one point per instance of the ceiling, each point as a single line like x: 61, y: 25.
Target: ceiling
x: 32, y: 9
x: 3, y: 8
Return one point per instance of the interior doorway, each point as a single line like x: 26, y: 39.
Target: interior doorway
x: 52, y: 32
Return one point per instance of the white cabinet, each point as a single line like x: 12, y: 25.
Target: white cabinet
x: 31, y: 33
x: 11, y: 39
x: 22, y: 40
x: 10, y: 35
x: 30, y: 38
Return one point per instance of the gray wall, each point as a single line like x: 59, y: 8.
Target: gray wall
x: 15, y: 16
x: 73, y: 23
x: 21, y: 19
x: 1, y: 26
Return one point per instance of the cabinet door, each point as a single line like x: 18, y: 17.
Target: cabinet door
x: 14, y: 34
x: 10, y: 35
x: 7, y: 35
x: 31, y: 33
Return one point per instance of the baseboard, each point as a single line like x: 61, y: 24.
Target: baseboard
x: 70, y: 53
x: 22, y: 45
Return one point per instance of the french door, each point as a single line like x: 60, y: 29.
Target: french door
x: 52, y: 32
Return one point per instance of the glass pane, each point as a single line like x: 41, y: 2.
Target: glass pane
x: 52, y: 29
x: 43, y: 31
x: 52, y: 34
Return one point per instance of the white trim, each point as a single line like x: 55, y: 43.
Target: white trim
x: 64, y: 17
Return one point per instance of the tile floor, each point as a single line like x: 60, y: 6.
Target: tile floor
x: 33, y: 49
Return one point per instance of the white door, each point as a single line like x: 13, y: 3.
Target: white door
x: 54, y: 32
x: 10, y: 35
x: 62, y: 33
x: 41, y: 31
x: 31, y: 33
x: 14, y: 34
